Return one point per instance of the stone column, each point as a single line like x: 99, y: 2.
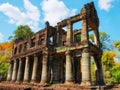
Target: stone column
x: 69, y: 37
x: 34, y: 72
x: 44, y: 69
x: 99, y: 72
x: 84, y: 33
x: 85, y: 67
x: 9, y: 77
x: 96, y: 38
x: 96, y: 71
x: 26, y: 73
x: 14, y: 75
x: 36, y: 40
x: 69, y: 72
x: 46, y: 33
x: 19, y: 76
x: 59, y: 38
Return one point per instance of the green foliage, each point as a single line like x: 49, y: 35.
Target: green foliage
x: 108, y: 59
x: 22, y: 31
x: 108, y: 77
x: 111, y: 68
x: 93, y: 77
x: 116, y: 73
x: 117, y: 45
x: 108, y: 63
x: 78, y: 37
x: 116, y: 76
x: 4, y: 70
x: 104, y: 40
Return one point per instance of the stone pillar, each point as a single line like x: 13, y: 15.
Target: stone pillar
x: 99, y: 72
x: 44, y: 69
x: 34, y: 72
x: 14, y: 75
x: 36, y: 40
x: 96, y: 71
x: 9, y: 77
x: 85, y: 67
x: 26, y: 73
x: 84, y: 33
x: 69, y: 72
x: 46, y: 33
x: 96, y: 38
x: 19, y: 76
x: 59, y: 38
x: 69, y: 37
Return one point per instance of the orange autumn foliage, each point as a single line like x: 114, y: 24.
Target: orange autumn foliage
x: 111, y: 54
x: 5, y: 46
x: 5, y: 52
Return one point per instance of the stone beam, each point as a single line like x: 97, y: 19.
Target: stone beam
x: 73, y: 19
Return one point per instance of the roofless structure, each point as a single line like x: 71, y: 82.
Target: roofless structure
x: 54, y: 55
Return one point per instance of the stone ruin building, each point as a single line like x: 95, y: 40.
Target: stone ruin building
x: 54, y: 55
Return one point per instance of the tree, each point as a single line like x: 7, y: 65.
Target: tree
x: 5, y: 54
x: 108, y: 59
x: 117, y: 45
x: 108, y: 63
x: 116, y: 72
x: 22, y: 31
x: 104, y: 41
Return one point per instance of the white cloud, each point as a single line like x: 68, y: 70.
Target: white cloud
x: 1, y: 37
x: 105, y: 4
x: 55, y: 10
x: 30, y: 17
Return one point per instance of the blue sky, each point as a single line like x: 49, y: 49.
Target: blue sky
x: 35, y: 12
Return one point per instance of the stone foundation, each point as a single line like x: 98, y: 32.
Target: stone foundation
x: 4, y: 86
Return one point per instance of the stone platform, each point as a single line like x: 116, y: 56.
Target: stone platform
x: 11, y: 86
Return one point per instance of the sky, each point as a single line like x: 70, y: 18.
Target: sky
x: 36, y: 12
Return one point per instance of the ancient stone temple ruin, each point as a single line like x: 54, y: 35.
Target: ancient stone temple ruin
x: 57, y: 55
